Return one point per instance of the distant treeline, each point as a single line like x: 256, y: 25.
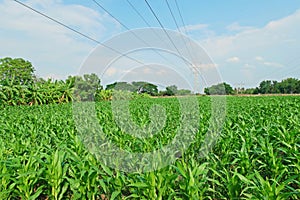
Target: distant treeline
x: 286, y: 86
x: 20, y: 86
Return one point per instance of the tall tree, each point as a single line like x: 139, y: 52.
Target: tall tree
x: 124, y: 86
x: 86, y: 87
x: 289, y: 86
x: 265, y: 87
x: 145, y: 87
x: 171, y: 90
x: 17, y: 70
x: 219, y: 89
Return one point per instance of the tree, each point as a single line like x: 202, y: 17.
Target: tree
x: 104, y: 95
x: 18, y: 70
x: 171, y: 90
x: 206, y: 91
x: 289, y: 86
x: 219, y: 89
x: 145, y: 87
x: 86, y: 87
x: 139, y: 87
x: 124, y: 86
x: 183, y: 92
x: 265, y: 87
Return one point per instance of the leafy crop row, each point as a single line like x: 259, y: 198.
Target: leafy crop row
x: 257, y: 155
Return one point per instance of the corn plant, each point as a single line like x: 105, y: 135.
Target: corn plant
x: 256, y: 156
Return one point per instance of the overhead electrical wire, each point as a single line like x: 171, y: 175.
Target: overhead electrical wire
x: 98, y: 4
x: 76, y: 31
x: 132, y: 32
x: 161, y: 25
x: 147, y: 23
x: 187, y: 62
x: 101, y: 43
x: 185, y: 30
x: 175, y: 21
x: 182, y: 21
x: 138, y: 13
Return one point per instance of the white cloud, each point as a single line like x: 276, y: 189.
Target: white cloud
x: 248, y: 66
x: 259, y: 58
x: 272, y: 64
x: 275, y: 36
x: 207, y: 65
x: 147, y: 70
x: 111, y: 71
x: 233, y: 60
x: 271, y: 46
x: 161, y: 72
x: 237, y: 27
x: 195, y: 27
x: 52, y: 48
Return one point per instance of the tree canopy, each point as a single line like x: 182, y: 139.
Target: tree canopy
x: 286, y: 86
x: 219, y: 89
x: 16, y: 71
x: 139, y: 87
x: 85, y: 86
x: 19, y: 86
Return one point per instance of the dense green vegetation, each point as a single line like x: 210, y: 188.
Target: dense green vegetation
x: 20, y: 86
x: 257, y: 155
x: 42, y: 155
x: 219, y: 89
x: 286, y: 86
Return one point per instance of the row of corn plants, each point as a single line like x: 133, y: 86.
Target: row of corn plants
x: 256, y: 156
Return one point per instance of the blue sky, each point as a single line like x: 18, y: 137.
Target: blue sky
x: 248, y: 40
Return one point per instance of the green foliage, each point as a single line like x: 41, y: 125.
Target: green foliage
x: 183, y: 92
x: 171, y: 90
x: 289, y: 86
x: 145, y: 87
x: 257, y: 155
x: 42, y: 91
x: 86, y: 86
x: 136, y: 87
x: 38, y: 93
x: 219, y: 89
x: 104, y: 95
x: 16, y: 71
x: 286, y: 86
x: 174, y: 91
x: 124, y: 86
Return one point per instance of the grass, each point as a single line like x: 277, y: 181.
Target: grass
x: 257, y: 155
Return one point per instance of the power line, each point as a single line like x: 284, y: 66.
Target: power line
x: 58, y: 22
x: 139, y: 14
x: 76, y: 31
x: 173, y: 16
x: 134, y: 34
x: 175, y: 21
x: 161, y: 25
x: 182, y: 57
x: 96, y: 41
x: 185, y: 30
x: 147, y: 23
x: 182, y: 21
x: 98, y: 4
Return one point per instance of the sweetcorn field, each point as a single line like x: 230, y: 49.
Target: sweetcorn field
x: 256, y: 156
